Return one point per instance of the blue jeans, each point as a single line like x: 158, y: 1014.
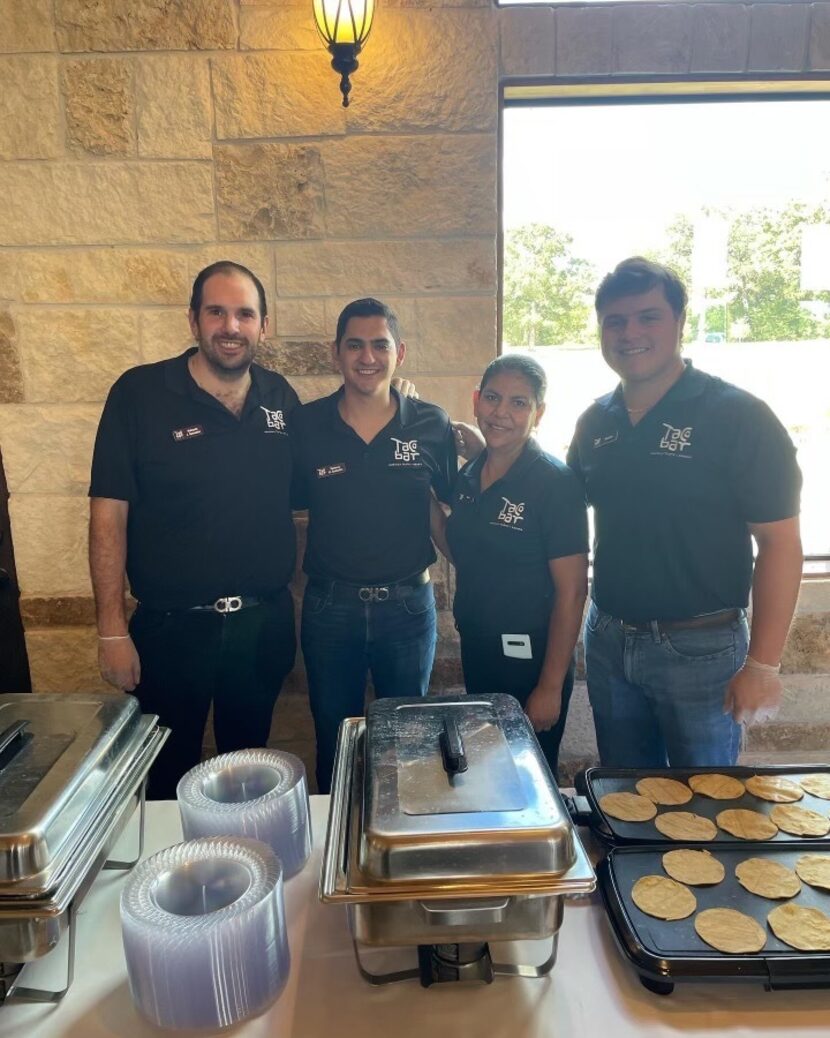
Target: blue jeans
x: 343, y: 638
x: 657, y: 698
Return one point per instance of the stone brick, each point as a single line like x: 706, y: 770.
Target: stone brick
x: 112, y: 25
x: 107, y: 202
x: 778, y: 37
x: 277, y: 27
x: 107, y: 275
x: 47, y: 450
x: 819, y: 59
x: 453, y: 393
x: 411, y: 186
x: 384, y: 267
x: 431, y: 70
x: 430, y: 4
x: 68, y: 611
x: 163, y: 334
x: 457, y: 335
x: 269, y: 191
x: 584, y: 41
x: 11, y: 376
x: 26, y: 26
x: 75, y: 355
x: 257, y: 258
x: 720, y: 37
x: 9, y: 266
x: 29, y: 108
x: 303, y: 318
x: 300, y: 358
x: 280, y: 94
x: 52, y: 557
x: 65, y: 660
x: 100, y: 106
x: 174, y: 107
x: 808, y: 646
x: 651, y: 38
x: 528, y: 45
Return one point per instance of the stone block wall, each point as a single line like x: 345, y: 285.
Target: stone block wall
x: 141, y: 141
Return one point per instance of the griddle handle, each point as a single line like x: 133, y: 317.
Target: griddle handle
x: 8, y: 736
x: 452, y: 748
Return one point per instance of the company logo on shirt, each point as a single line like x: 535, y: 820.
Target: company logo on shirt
x: 603, y: 441
x: 188, y: 433
x: 511, y: 514
x: 274, y: 420
x: 675, y: 441
x: 331, y: 470
x: 405, y: 450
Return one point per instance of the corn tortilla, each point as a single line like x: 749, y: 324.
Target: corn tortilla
x: 695, y: 868
x: 807, y: 929
x: 767, y: 878
x: 815, y: 870
x: 683, y: 825
x: 771, y: 787
x: 730, y: 931
x: 747, y: 825
x: 717, y: 787
x: 664, y: 790
x: 663, y: 898
x: 628, y: 807
x: 818, y: 785
x: 799, y: 821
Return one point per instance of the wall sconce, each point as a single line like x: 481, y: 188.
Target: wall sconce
x: 344, y: 26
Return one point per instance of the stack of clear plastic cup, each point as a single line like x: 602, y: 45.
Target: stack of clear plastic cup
x: 204, y: 933
x: 261, y: 794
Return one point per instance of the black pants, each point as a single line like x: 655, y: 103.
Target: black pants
x: 237, y: 661
x: 487, y: 670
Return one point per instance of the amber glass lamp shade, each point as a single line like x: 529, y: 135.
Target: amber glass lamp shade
x: 344, y: 26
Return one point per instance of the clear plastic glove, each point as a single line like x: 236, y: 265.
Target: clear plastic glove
x: 468, y: 440
x: 119, y: 663
x: 405, y: 387
x: 543, y: 708
x: 754, y: 694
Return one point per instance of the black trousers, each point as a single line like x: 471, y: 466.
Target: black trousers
x: 190, y: 659
x: 487, y: 671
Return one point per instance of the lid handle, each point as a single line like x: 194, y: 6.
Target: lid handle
x: 452, y: 748
x: 8, y: 736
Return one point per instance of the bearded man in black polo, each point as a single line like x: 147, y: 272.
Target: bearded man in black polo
x: 190, y: 493
x: 367, y: 463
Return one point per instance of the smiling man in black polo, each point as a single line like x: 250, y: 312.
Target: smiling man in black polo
x: 367, y: 462
x: 190, y: 492
x: 684, y: 471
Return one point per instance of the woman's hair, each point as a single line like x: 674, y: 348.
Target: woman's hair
x: 519, y: 364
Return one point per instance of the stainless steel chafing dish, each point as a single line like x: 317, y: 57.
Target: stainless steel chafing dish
x: 447, y: 831
x: 72, y: 770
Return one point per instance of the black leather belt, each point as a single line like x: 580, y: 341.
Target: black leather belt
x: 228, y: 604
x: 371, y: 592
x: 723, y: 618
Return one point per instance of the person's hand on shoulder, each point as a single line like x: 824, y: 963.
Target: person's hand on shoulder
x: 405, y: 387
x: 468, y: 440
x: 754, y: 693
x: 543, y: 707
x: 118, y: 662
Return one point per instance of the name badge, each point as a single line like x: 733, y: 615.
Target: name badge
x: 330, y: 470
x: 188, y: 433
x: 516, y: 646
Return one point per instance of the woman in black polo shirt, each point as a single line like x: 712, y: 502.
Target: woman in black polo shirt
x: 518, y: 536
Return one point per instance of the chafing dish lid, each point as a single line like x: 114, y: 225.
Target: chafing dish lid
x: 55, y: 764
x: 457, y: 786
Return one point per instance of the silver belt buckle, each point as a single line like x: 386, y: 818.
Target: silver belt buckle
x: 373, y: 594
x: 229, y: 604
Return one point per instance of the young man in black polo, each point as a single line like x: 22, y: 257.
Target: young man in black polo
x: 190, y: 493
x: 367, y: 462
x: 684, y: 472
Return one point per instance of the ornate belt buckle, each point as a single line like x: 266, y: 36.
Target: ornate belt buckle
x: 229, y: 604
x: 373, y: 594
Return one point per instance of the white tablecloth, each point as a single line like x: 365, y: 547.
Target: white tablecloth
x: 591, y: 993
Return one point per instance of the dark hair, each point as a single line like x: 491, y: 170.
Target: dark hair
x: 225, y: 267
x: 637, y: 275
x: 367, y: 307
x: 519, y: 364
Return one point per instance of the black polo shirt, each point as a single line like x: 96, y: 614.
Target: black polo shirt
x: 368, y: 504
x: 501, y: 541
x: 672, y: 496
x: 209, y: 493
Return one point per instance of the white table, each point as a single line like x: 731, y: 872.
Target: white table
x: 592, y: 992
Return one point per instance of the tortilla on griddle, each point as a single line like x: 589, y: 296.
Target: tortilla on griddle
x: 818, y: 785
x: 628, y: 807
x: 807, y: 929
x: 717, y: 787
x: 814, y: 869
x: 664, y: 790
x: 767, y: 878
x: 730, y: 931
x: 799, y: 821
x: 746, y: 825
x: 772, y: 787
x: 663, y: 898
x: 683, y: 825
x: 695, y: 868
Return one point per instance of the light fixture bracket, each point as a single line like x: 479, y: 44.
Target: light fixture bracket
x: 344, y: 61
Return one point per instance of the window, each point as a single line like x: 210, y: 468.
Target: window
x: 734, y: 193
